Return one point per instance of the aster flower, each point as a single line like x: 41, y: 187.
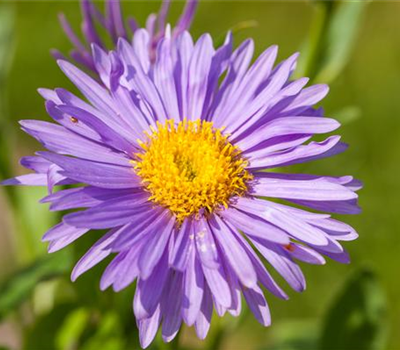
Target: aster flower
x: 115, y: 27
x: 177, y: 161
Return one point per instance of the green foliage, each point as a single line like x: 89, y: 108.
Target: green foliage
x: 6, y: 54
x: 347, y: 114
x: 42, y: 334
x: 19, y: 287
x: 332, y: 39
x: 358, y: 317
x: 7, y: 17
x: 295, y: 335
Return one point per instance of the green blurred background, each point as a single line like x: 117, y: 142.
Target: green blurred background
x: 364, y: 95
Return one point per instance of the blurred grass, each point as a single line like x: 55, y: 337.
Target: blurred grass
x: 370, y: 82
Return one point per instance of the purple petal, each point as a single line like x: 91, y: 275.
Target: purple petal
x: 310, y: 190
x: 154, y: 249
x: 193, y: 290
x: 142, y: 227
x: 235, y: 254
x: 113, y: 213
x: 93, y: 173
x: 203, y: 321
x: 349, y: 207
x: 83, y: 197
x: 26, y: 180
x: 285, y: 220
x: 263, y: 275
x: 219, y: 286
x: 148, y: 328
x: 172, y: 311
x: 199, y: 68
x: 64, y: 240
x: 148, y: 292
x: 303, y: 253
x: 205, y: 244
x: 258, y: 305
x: 183, y: 246
x: 70, y: 33
x: 112, y: 271
x: 255, y: 226
x: 102, y: 63
x: 61, y: 230
x: 94, y: 255
x: 282, y: 263
x: 95, y: 93
x: 240, y: 61
x: 109, y: 133
x: 129, y: 268
x: 163, y: 71
x: 300, y: 154
x: 296, y: 125
x: 58, y: 139
x: 186, y: 18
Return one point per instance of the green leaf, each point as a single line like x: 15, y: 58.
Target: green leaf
x: 7, y: 18
x: 19, y: 287
x: 6, y: 53
x: 332, y: 37
x: 108, y: 335
x: 294, y: 335
x: 42, y: 333
x: 340, y: 39
x: 347, y: 114
x: 32, y: 221
x: 73, y: 327
x: 358, y: 316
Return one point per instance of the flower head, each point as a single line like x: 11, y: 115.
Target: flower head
x: 112, y: 21
x: 179, y: 161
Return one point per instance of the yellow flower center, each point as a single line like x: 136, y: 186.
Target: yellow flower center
x: 191, y: 167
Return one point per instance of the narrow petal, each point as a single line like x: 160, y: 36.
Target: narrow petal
x: 83, y: 197
x: 300, y: 154
x: 142, y: 226
x: 149, y: 291
x: 258, y: 305
x: 183, y: 246
x: 255, y: 226
x: 26, y: 180
x: 282, y: 263
x: 58, y: 139
x: 309, y: 190
x: 205, y: 244
x: 296, y: 125
x: 94, y: 173
x: 277, y: 216
x: 203, y: 321
x: 172, y: 311
x: 148, y: 328
x: 219, y: 286
x: 113, y: 213
x: 235, y: 254
x: 94, y: 255
x: 60, y: 243
x: 61, y: 230
x: 193, y: 290
x: 303, y: 253
x: 152, y: 252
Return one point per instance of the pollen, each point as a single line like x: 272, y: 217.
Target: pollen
x: 191, y: 168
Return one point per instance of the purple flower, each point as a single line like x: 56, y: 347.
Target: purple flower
x: 113, y: 24
x: 176, y: 159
